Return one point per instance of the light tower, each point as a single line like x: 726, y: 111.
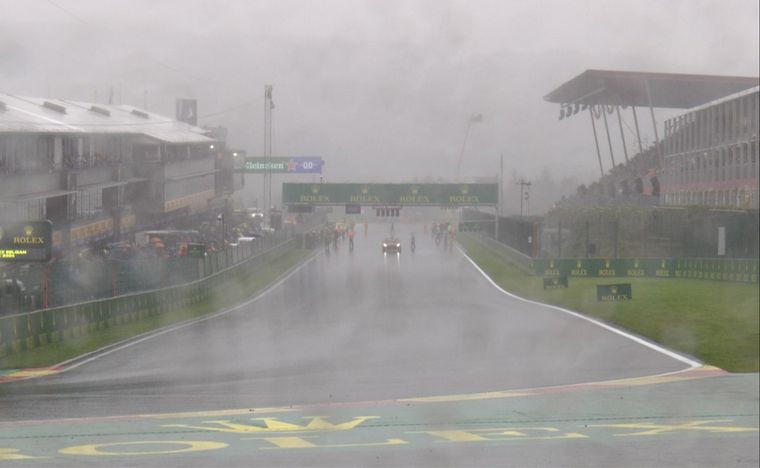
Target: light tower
x: 268, y: 107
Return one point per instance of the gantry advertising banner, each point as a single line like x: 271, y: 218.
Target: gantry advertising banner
x: 390, y: 194
x: 279, y: 165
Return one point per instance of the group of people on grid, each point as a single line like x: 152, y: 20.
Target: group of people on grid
x: 443, y: 232
x: 331, y: 234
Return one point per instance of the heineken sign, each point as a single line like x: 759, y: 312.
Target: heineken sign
x: 26, y: 242
x: 279, y: 165
x: 390, y: 194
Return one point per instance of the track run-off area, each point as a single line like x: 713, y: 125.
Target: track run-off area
x: 360, y: 358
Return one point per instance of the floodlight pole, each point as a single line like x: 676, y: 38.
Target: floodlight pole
x: 264, y: 174
x: 271, y: 124
x: 268, y: 106
x: 501, y: 183
x: 499, y: 197
x: 496, y: 223
x: 464, y: 143
x: 473, y: 118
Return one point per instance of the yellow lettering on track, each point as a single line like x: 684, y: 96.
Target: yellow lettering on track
x: 458, y: 436
x: 502, y: 434
x: 650, y: 429
x: 104, y: 450
x: 316, y: 423
x: 290, y: 442
x: 302, y: 443
x: 10, y: 454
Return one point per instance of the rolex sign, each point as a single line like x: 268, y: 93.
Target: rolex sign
x: 31, y: 241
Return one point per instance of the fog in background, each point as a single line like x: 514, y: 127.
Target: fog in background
x: 383, y: 90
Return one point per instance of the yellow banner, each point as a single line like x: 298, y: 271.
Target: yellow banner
x: 86, y: 231
x: 196, y: 201
x: 128, y: 222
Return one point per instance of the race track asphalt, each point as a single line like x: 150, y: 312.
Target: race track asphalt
x: 363, y: 328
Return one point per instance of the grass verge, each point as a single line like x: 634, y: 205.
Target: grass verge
x: 228, y: 295
x: 717, y: 322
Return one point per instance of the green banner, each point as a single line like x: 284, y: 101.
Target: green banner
x: 555, y: 282
x: 738, y: 270
x: 390, y: 194
x: 614, y: 292
x: 196, y: 250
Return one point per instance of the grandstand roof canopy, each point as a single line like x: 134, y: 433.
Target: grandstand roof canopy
x: 21, y: 114
x: 670, y: 90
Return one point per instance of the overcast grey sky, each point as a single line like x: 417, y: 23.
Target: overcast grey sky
x: 382, y: 89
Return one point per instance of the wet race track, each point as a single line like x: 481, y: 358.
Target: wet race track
x: 361, y: 358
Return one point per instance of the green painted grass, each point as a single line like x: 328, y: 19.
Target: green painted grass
x: 717, y: 322
x: 228, y: 295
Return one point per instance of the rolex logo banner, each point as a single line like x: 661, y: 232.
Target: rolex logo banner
x: 613, y: 292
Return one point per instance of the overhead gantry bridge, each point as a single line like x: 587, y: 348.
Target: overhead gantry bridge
x: 303, y: 197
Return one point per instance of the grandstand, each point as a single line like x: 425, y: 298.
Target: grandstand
x: 708, y: 155
x: 692, y: 193
x: 711, y: 154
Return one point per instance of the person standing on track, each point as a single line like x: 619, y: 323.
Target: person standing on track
x: 326, y: 239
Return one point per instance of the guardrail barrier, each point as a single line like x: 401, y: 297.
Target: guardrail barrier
x: 26, y: 330
x: 721, y: 269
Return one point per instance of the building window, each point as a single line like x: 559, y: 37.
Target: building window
x: 30, y: 210
x: 89, y: 203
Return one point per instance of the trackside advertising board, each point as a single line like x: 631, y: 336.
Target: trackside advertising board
x: 26, y: 242
x: 196, y: 250
x: 614, y: 292
x: 557, y: 282
x: 718, y: 269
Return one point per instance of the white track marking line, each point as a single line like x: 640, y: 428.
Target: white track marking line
x: 690, y: 362
x: 162, y: 331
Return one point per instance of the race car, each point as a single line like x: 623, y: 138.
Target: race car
x: 391, y: 244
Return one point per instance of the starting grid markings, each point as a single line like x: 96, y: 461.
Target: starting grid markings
x: 317, y: 432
